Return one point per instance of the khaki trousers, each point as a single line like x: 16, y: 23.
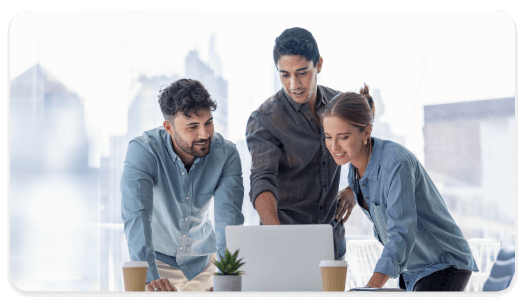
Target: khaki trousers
x: 177, y: 279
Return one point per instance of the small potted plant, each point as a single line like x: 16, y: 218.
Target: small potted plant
x: 228, y: 278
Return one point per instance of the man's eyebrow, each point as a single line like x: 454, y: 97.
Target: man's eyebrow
x: 300, y: 69
x: 196, y: 123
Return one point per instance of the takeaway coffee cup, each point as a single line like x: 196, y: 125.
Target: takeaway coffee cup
x: 135, y: 275
x: 333, y: 273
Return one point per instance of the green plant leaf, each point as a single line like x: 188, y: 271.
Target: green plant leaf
x: 238, y: 266
x: 229, y: 265
x: 228, y: 256
x: 234, y: 257
x: 221, y: 268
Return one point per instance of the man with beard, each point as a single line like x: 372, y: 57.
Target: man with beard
x: 170, y: 175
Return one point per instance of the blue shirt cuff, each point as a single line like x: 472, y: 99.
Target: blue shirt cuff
x: 388, y: 266
x: 153, y: 273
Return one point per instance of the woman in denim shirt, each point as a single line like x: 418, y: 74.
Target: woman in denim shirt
x: 423, y: 246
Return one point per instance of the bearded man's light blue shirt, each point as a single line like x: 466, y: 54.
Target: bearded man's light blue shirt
x: 410, y: 217
x: 165, y: 207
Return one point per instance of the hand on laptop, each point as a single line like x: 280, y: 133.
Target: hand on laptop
x: 209, y: 289
x: 346, y: 204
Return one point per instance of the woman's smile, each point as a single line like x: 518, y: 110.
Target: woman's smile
x: 340, y: 155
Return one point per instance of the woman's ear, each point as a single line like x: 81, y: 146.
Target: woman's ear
x: 368, y: 132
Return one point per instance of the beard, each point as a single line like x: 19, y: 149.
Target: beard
x: 193, y: 149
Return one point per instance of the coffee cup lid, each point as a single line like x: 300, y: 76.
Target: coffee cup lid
x: 135, y: 264
x: 333, y: 263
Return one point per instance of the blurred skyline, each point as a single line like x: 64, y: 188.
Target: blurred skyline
x: 414, y: 58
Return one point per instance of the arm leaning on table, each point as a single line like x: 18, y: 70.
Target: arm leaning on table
x: 401, y: 216
x: 228, y: 198
x: 138, y: 177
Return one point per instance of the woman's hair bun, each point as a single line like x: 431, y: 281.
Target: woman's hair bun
x: 365, y: 92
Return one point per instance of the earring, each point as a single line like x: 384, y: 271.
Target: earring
x: 364, y: 142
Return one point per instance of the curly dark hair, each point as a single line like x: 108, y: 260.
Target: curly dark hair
x: 186, y: 96
x: 296, y: 41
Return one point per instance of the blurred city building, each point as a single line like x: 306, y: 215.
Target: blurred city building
x: 40, y: 108
x: 470, y: 156
x: 53, y: 194
x: 144, y: 114
x: 215, y: 84
x: 381, y: 128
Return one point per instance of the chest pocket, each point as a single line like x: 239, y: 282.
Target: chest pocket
x: 378, y: 213
x: 202, y: 203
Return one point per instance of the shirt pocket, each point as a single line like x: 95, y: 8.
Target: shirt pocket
x: 378, y: 213
x: 202, y: 203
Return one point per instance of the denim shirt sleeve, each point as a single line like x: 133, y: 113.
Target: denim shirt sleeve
x: 137, y: 205
x: 265, y: 152
x: 401, y: 220
x: 228, y: 197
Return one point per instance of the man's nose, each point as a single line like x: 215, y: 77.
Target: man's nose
x: 294, y: 83
x: 203, y: 133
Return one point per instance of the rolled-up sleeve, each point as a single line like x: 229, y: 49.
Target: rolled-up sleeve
x: 265, y: 153
x: 137, y: 181
x: 401, y: 215
x: 228, y: 197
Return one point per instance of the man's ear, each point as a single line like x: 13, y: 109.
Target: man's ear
x: 168, y: 127
x: 319, y: 65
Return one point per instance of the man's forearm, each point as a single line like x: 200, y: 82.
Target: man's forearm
x: 266, y: 207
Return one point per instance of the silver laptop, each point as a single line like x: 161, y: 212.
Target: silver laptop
x: 281, y: 257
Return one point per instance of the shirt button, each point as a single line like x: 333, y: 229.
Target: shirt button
x: 363, y: 185
x: 180, y: 248
x: 183, y: 235
x: 323, y: 163
x: 174, y: 160
x: 180, y: 257
x: 183, y: 173
x: 187, y: 217
x: 187, y: 198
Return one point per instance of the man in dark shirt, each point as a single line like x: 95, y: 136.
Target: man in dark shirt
x: 294, y: 179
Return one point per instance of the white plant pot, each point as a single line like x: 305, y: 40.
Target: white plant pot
x: 227, y: 283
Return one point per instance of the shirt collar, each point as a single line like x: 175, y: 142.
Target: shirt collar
x: 297, y: 106
x: 372, y: 170
x: 166, y: 139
